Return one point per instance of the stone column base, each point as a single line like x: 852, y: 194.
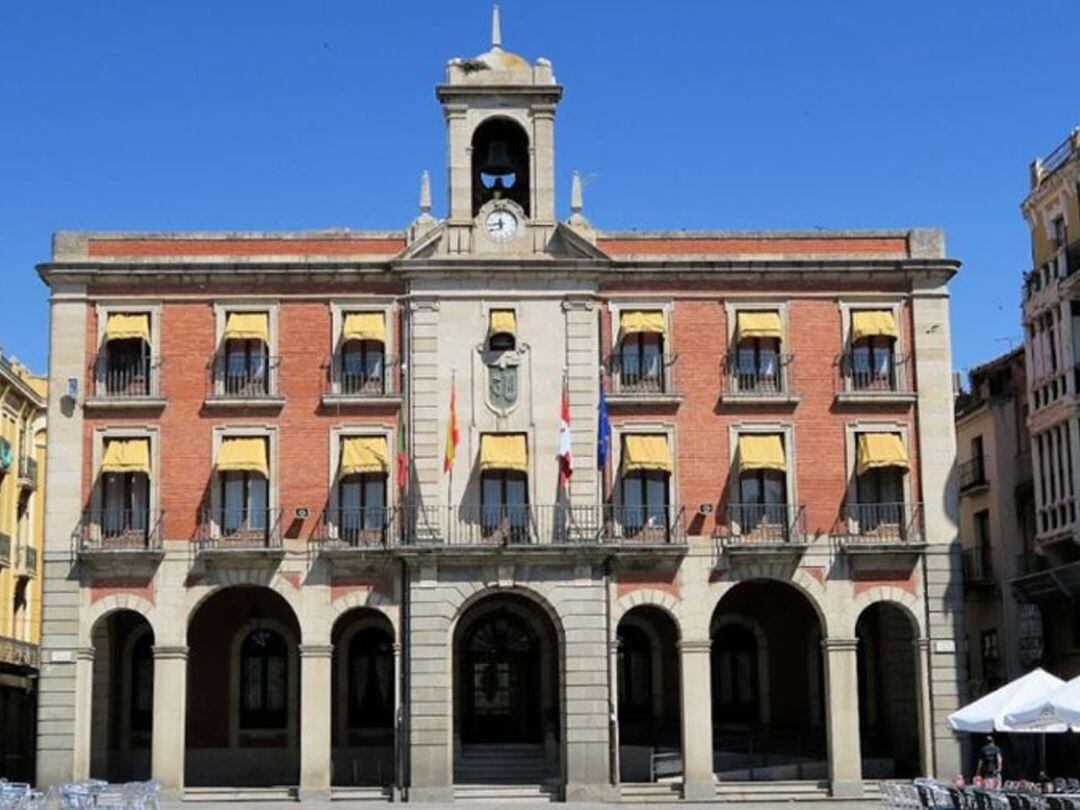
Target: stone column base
x: 442, y: 793
x: 698, y: 791
x: 585, y: 792
x: 846, y: 790
x: 313, y: 796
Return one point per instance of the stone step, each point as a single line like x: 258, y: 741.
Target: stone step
x: 648, y: 792
x: 235, y: 794
x: 505, y: 793
x: 361, y: 794
x: 772, y: 791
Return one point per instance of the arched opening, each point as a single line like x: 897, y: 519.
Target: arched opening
x: 122, y: 701
x: 243, y: 700
x: 888, y: 693
x: 507, y: 726
x: 363, y: 684
x: 767, y: 685
x: 648, y: 696
x: 500, y: 164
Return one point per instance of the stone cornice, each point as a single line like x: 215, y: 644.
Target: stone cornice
x: 164, y: 652
x: 316, y: 650
x: 839, y: 645
x: 695, y: 646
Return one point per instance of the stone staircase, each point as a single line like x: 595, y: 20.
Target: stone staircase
x: 260, y: 795
x: 504, y: 773
x: 748, y: 792
x: 650, y: 792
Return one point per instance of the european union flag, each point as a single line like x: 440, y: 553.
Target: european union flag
x: 603, y: 432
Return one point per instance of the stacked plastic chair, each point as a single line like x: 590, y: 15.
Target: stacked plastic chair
x: 94, y: 793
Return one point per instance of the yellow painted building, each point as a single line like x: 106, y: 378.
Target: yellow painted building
x: 22, y: 500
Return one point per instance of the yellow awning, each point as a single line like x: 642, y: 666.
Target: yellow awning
x: 503, y: 322
x: 122, y: 326
x: 873, y: 322
x: 634, y: 321
x: 364, y: 454
x: 247, y: 326
x: 364, y: 326
x: 646, y: 452
x: 877, y: 450
x: 764, y: 451
x: 757, y: 325
x: 504, y: 451
x: 126, y: 456
x: 243, y: 455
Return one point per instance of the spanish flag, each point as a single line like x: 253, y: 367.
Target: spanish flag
x: 452, y: 435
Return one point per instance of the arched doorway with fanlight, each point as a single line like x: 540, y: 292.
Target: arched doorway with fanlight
x: 363, y: 681
x: 507, y: 726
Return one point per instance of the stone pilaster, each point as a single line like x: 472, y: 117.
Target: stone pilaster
x: 83, y: 708
x: 583, y: 383
x: 170, y: 718
x: 427, y: 414
x: 697, y: 741
x: 842, y: 689
x: 315, y: 715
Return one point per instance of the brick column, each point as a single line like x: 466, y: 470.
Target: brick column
x: 315, y: 715
x: 167, y: 744
x: 697, y: 742
x: 842, y: 716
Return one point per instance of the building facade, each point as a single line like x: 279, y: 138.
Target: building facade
x: 22, y: 497
x: 1050, y: 579
x: 270, y: 564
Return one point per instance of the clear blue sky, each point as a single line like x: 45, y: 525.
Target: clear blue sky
x: 287, y: 115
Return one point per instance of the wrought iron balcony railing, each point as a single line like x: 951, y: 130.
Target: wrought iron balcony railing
x: 119, y: 530
x: 753, y: 524
x: 760, y: 379
x: 972, y: 473
x: 359, y: 528
x: 28, y: 472
x: 641, y: 378
x: 860, y: 374
x: 253, y: 381
x: 885, y: 523
x: 5, y: 549
x: 18, y: 653
x: 379, y: 379
x: 136, y: 378
x: 229, y: 529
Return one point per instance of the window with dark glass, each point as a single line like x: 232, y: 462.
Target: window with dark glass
x: 641, y: 362
x: 735, y: 687
x: 873, y: 363
x: 644, y: 500
x: 126, y: 503
x: 127, y: 367
x: 371, y: 679
x: 881, y: 497
x: 362, y: 363
x: 759, y: 364
x: 244, y: 502
x: 264, y: 680
x: 362, y: 501
x: 245, y: 372
x: 763, y: 498
x: 504, y: 502
x: 142, y: 684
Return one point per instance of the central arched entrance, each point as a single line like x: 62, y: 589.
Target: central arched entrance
x: 506, y: 693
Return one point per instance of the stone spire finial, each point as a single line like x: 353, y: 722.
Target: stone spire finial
x: 425, y: 193
x: 576, y: 197
x: 496, y: 29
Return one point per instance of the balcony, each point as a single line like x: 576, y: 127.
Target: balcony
x: 639, y: 386
x: 107, y: 536
x: 28, y: 473
x: 761, y: 383
x: 18, y: 653
x: 5, y: 549
x: 769, y: 530
x: 881, y: 528
x: 860, y: 381
x: 126, y: 383
x: 545, y: 526
x: 345, y: 531
x: 978, y: 567
x: 239, y: 533
x: 377, y: 385
x: 1050, y: 584
x: 254, y: 385
x: 27, y: 566
x: 971, y: 475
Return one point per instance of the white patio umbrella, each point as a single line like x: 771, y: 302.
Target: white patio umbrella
x: 1061, y: 706
x: 990, y: 712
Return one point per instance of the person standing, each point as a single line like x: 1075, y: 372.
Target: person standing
x: 990, y: 762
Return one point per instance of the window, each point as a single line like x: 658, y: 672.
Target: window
x: 641, y: 362
x: 736, y: 696
x: 502, y: 330
x: 126, y: 504
x: 982, y: 529
x: 762, y: 498
x: 244, y: 502
x: 246, y: 368
x: 371, y: 679
x: 644, y: 501
x: 1060, y: 233
x: 504, y: 504
x: 759, y: 364
x: 142, y: 684
x: 127, y: 367
x: 362, y: 363
x: 263, y: 680
x: 362, y: 504
x: 991, y: 657
x: 880, y: 493
x: 873, y: 364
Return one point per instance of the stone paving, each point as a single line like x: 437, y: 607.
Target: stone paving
x: 849, y: 804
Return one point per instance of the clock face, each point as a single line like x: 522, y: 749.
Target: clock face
x: 501, y: 225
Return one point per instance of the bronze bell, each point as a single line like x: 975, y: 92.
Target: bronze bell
x: 498, y: 159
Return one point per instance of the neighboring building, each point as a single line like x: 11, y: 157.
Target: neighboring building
x: 760, y: 583
x: 1051, y: 578
x: 22, y: 497
x: 997, y: 522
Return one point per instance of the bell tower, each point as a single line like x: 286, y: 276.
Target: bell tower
x: 500, y: 125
